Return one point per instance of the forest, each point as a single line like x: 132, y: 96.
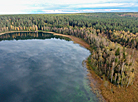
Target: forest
x: 107, y: 33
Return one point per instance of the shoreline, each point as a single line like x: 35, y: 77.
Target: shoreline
x: 103, y: 87
x: 92, y: 78
x: 73, y: 38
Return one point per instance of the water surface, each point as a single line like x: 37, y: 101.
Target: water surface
x: 37, y: 67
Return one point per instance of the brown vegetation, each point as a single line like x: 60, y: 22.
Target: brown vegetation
x: 107, y: 58
x: 130, y: 15
x: 114, y: 93
x: 110, y: 92
x: 75, y: 39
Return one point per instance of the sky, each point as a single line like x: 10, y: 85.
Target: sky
x: 66, y: 6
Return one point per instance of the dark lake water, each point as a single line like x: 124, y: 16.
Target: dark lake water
x: 40, y: 67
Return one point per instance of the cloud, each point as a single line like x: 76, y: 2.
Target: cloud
x: 83, y: 11
x: 106, y: 5
x: 109, y: 10
x: 70, y: 6
x: 102, y: 10
x: 56, y: 11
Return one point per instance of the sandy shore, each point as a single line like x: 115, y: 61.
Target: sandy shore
x: 75, y: 39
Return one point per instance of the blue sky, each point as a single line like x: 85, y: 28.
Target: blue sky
x: 66, y: 6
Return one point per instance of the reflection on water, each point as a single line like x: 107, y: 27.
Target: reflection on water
x: 30, y: 35
x: 39, y: 70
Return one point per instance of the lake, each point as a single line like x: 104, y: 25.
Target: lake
x: 41, y: 67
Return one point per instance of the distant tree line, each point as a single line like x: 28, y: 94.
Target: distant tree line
x: 102, y: 21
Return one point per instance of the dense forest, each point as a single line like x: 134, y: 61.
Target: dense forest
x: 103, y: 31
x: 102, y: 21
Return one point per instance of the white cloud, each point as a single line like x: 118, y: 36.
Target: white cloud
x: 60, y: 6
x: 56, y: 11
x: 112, y: 9
x: 101, y: 10
x: 82, y: 11
x: 70, y: 1
x: 102, y: 5
x: 88, y: 10
x: 105, y: 5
